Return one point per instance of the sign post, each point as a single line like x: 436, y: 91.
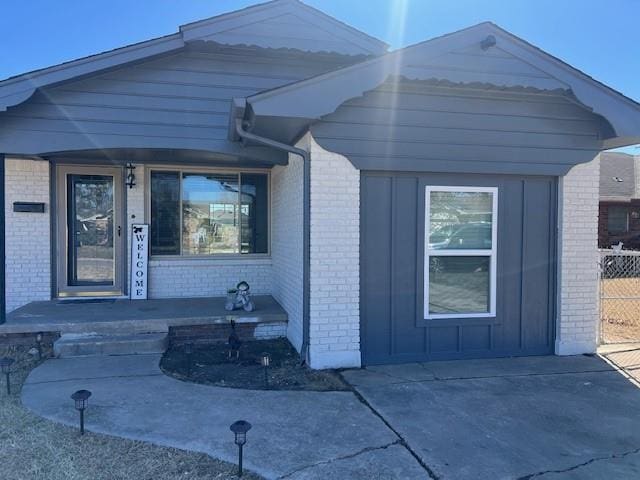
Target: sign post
x: 139, y: 261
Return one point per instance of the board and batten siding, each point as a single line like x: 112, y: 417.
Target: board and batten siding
x: 418, y: 126
x: 177, y: 101
x: 393, y: 328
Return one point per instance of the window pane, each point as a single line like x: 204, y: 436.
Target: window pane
x: 165, y: 213
x: 618, y: 220
x: 209, y: 214
x: 460, y: 220
x: 254, y: 213
x: 459, y: 284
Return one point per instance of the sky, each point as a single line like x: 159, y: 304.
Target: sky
x: 599, y: 37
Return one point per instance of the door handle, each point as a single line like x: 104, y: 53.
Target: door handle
x: 119, y: 230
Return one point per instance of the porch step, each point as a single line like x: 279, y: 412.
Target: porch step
x: 91, y: 344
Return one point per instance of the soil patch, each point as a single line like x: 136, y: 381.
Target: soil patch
x: 212, y: 365
x: 35, y: 448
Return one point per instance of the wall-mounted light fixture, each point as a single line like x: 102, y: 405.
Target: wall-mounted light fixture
x: 131, y: 176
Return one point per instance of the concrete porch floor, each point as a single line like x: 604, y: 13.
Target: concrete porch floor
x: 155, y: 315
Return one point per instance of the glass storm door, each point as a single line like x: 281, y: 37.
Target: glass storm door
x: 90, y: 231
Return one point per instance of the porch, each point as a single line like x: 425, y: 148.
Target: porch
x: 118, y: 316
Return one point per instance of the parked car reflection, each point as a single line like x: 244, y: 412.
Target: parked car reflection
x: 475, y: 235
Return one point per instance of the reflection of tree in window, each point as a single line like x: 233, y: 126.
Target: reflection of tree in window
x: 221, y: 213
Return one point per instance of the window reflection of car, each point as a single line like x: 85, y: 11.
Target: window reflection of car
x: 474, y: 235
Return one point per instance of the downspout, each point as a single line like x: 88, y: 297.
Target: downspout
x: 306, y: 222
x: 3, y: 297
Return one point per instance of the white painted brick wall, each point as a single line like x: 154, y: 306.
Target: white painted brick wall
x: 578, y: 317
x: 287, y: 242
x: 207, y: 277
x: 28, y: 236
x: 135, y: 211
x: 265, y: 331
x: 335, y: 260
x: 192, y: 277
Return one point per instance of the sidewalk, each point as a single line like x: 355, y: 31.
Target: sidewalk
x: 296, y: 435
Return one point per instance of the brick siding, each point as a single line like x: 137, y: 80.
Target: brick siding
x: 335, y: 260
x: 27, y: 235
x: 287, y: 242
x: 577, y: 326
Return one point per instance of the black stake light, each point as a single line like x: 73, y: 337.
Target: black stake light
x: 240, y: 429
x: 39, y: 345
x: 265, y: 360
x: 5, y: 365
x: 81, y: 399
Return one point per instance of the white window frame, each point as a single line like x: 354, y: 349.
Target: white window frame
x: 492, y: 253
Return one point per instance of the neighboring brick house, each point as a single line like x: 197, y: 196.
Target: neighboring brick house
x: 619, y: 215
x: 436, y: 202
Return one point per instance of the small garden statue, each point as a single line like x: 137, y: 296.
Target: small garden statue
x: 239, y: 298
x: 234, y: 342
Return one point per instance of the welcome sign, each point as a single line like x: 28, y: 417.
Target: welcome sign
x: 139, y: 261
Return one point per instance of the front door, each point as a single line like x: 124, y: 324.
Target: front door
x: 89, y: 224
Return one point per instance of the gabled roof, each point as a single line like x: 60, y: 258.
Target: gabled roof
x: 284, y: 24
x: 618, y: 176
x: 275, y: 24
x: 508, y: 61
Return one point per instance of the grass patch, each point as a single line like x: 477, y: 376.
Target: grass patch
x: 211, y: 365
x: 32, y: 448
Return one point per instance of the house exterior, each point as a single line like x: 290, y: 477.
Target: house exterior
x: 435, y: 202
x: 619, y: 213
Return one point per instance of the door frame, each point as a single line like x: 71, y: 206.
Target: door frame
x: 61, y: 233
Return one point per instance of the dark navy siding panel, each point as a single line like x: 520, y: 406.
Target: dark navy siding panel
x: 376, y: 276
x: 510, y: 256
x: 419, y: 126
x: 392, y: 263
x: 178, y: 101
x: 404, y: 265
x: 535, y: 245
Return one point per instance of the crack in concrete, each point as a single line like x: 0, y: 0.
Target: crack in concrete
x: 94, y: 378
x: 401, y: 381
x: 580, y: 465
x: 402, y: 440
x: 337, y: 459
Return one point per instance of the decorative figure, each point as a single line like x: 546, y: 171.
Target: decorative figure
x: 239, y: 298
x: 234, y: 342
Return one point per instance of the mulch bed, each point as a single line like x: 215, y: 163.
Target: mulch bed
x: 211, y: 365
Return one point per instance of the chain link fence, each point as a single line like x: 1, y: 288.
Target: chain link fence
x: 619, y: 296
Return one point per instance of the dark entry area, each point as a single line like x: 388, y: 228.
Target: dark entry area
x: 476, y: 308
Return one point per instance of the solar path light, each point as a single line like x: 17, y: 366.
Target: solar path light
x: 240, y: 429
x: 39, y: 345
x: 81, y: 399
x: 265, y: 361
x: 5, y: 365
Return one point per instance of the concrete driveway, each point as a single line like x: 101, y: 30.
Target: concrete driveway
x: 522, y: 418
